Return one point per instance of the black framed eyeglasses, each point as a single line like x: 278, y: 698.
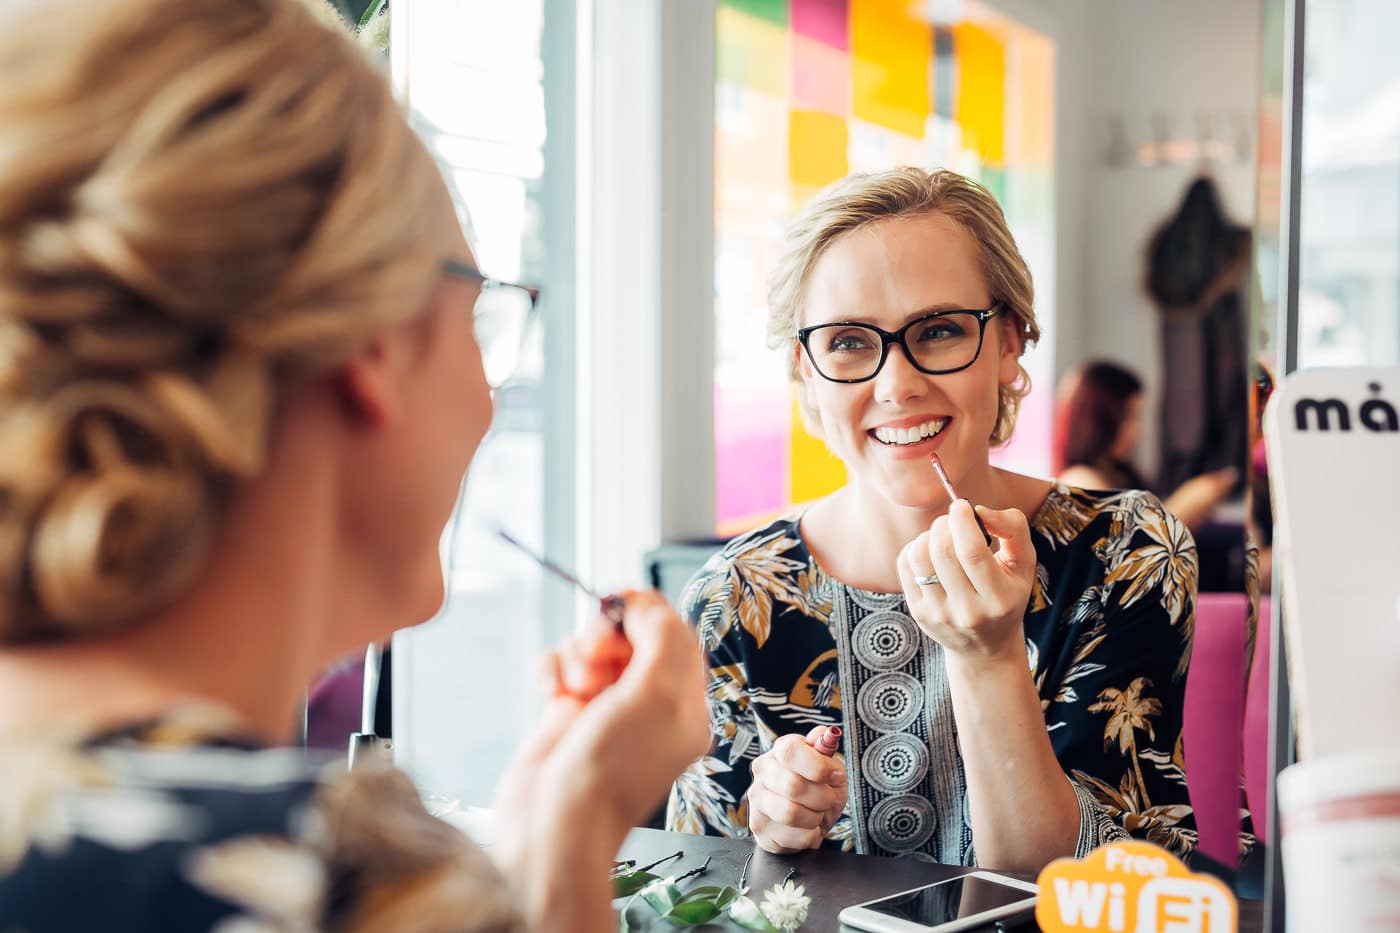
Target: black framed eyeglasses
x: 501, y: 319
x: 936, y: 344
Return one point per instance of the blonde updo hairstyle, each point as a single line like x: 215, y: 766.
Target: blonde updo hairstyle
x: 859, y: 200
x: 201, y: 202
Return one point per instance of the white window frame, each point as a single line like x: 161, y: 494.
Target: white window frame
x: 646, y: 282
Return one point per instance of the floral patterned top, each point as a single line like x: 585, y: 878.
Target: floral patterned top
x: 180, y: 825
x: 1108, y: 640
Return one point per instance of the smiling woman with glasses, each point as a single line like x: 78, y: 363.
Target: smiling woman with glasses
x: 1004, y: 700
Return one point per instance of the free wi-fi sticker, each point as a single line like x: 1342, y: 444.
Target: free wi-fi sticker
x: 1131, y: 887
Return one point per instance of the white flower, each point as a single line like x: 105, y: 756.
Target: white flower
x: 785, y: 905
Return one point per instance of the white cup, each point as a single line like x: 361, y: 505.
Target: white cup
x: 1340, y: 821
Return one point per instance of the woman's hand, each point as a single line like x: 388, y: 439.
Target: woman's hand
x: 797, y: 794
x: 976, y: 608
x: 591, y: 661
x: 625, y: 718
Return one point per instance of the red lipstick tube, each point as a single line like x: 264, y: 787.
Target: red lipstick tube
x: 829, y: 741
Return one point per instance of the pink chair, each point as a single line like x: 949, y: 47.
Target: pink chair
x: 1256, y: 726
x: 334, y: 704
x: 1214, y: 726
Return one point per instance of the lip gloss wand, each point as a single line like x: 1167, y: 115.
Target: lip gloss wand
x: 611, y: 606
x: 953, y: 494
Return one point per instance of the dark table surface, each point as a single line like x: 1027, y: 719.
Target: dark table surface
x: 834, y: 880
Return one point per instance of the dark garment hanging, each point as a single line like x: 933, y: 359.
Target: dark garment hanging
x: 1205, y: 407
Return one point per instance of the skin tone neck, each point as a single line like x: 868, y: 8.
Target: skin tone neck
x: 858, y: 513
x: 252, y: 631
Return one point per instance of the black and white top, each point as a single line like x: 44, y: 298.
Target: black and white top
x: 181, y: 824
x: 1108, y: 640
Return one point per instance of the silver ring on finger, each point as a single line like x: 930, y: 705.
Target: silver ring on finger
x: 929, y: 580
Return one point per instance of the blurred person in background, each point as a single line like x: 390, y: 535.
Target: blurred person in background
x: 1098, y: 425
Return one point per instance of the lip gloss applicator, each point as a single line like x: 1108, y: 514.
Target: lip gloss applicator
x: 611, y: 605
x: 953, y: 493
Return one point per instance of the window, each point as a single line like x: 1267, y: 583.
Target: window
x: 480, y: 90
x: 1349, y: 288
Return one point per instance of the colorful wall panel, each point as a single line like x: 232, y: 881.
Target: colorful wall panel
x: 807, y: 92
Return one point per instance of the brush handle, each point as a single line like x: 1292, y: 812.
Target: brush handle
x: 987, y: 535
x: 942, y: 474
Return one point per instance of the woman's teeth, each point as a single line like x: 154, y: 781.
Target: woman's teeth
x: 902, y: 436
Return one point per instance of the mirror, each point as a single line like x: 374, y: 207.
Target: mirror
x: 1129, y: 151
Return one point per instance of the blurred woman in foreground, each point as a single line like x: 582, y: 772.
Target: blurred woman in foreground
x: 238, y: 390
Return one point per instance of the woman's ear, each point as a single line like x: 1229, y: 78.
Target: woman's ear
x: 370, y: 383
x: 1012, y: 343
x: 800, y: 364
x: 806, y: 376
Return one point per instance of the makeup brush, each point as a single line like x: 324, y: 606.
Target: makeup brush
x: 611, y: 606
x: 953, y: 494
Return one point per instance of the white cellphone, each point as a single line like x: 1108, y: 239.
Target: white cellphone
x: 955, y: 904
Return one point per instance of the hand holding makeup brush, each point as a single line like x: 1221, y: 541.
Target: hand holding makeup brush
x: 599, y: 766
x: 966, y: 597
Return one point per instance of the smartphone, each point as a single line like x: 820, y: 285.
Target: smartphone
x: 956, y: 904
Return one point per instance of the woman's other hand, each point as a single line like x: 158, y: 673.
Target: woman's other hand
x: 797, y: 794
x: 975, y: 610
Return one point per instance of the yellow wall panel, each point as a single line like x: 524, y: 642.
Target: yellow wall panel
x: 812, y: 471
x: 890, y: 59
x: 981, y: 105
x: 816, y: 148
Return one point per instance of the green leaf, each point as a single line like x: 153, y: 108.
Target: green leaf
x: 693, y: 913
x: 630, y: 883
x: 745, y: 912
x: 661, y: 894
x: 720, y: 895
x: 370, y: 13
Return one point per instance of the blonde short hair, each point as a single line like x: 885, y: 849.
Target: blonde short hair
x: 200, y: 204
x: 858, y: 200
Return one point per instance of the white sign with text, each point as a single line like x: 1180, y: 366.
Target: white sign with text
x: 1333, y: 438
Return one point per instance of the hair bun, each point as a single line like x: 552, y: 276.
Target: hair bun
x: 107, y: 511
x: 201, y: 204
x: 114, y: 545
